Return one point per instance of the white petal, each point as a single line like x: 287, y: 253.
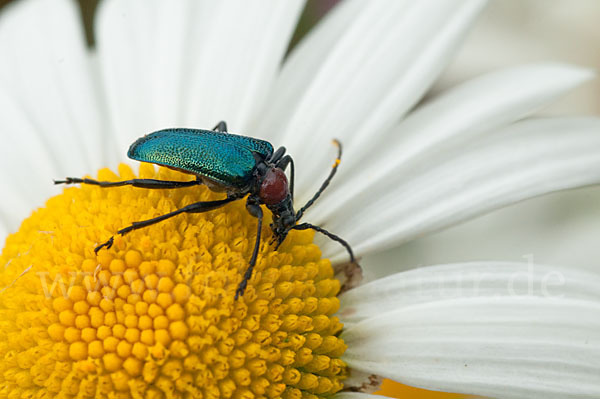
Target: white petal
x: 344, y: 81
x: 460, y: 280
x: 189, y: 63
x: 13, y: 210
x: 26, y: 163
x: 123, y: 38
x: 510, y: 347
x: 530, y: 158
x: 46, y: 69
x: 3, y: 231
x: 26, y: 166
x: 558, y: 228
x: 440, y: 129
x: 238, y: 60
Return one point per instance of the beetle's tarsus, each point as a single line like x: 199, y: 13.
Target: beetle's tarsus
x: 69, y: 180
x: 240, y: 289
x: 108, y: 244
x: 244, y: 283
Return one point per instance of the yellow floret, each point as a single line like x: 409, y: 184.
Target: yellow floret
x: 155, y: 316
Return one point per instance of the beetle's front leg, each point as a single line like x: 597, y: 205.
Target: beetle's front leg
x: 255, y: 210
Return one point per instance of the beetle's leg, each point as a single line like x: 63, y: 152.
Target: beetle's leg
x: 256, y: 211
x: 220, y: 127
x: 277, y: 155
x: 306, y: 226
x: 282, y: 164
x: 142, y: 183
x: 197, y: 207
x: 338, y: 159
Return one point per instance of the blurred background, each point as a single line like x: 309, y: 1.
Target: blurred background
x: 560, y: 228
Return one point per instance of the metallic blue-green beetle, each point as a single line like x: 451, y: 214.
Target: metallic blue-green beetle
x: 236, y: 165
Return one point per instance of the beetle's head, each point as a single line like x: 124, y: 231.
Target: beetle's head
x: 274, y: 187
x: 275, y: 193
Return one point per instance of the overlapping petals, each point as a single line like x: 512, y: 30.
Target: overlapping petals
x: 496, y: 329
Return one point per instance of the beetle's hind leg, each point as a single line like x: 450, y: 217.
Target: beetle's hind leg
x: 196, y: 207
x: 220, y: 127
x: 141, y: 183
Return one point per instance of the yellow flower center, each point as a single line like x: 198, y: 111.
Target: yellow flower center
x: 155, y: 316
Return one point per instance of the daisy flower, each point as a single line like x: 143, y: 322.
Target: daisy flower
x: 155, y: 316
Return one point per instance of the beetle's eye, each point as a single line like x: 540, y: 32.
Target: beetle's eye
x: 274, y: 187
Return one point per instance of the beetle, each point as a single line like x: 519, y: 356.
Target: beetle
x: 237, y: 165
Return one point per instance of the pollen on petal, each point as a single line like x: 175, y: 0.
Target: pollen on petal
x: 155, y: 315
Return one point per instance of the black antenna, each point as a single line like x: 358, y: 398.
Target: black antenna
x: 325, y: 183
